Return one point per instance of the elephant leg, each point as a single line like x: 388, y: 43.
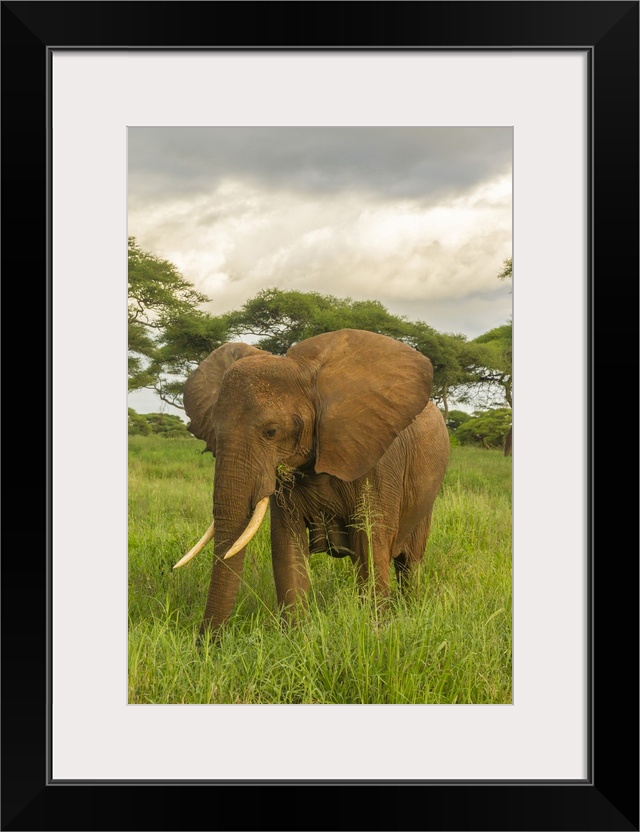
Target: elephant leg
x: 372, y: 560
x: 290, y: 559
x: 403, y: 570
x: 407, y: 562
x: 223, y: 588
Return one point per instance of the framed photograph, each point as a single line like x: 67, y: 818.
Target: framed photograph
x: 83, y: 83
x: 362, y: 251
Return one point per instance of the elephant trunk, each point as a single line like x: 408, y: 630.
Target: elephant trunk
x: 223, y: 588
x: 233, y: 508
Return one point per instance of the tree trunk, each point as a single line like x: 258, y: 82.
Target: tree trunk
x: 507, y: 443
x: 445, y: 402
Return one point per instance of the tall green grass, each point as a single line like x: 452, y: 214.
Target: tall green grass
x: 449, y: 643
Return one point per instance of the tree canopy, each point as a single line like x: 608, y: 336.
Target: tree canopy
x: 169, y: 334
x: 487, y: 429
x: 159, y: 297
x: 456, y: 418
x: 507, y: 269
x: 280, y: 319
x: 488, y: 363
x: 163, y: 424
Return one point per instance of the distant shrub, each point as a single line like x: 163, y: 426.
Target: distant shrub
x: 487, y: 429
x: 138, y: 425
x: 455, y: 418
x: 162, y: 424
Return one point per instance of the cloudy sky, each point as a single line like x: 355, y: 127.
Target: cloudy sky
x: 418, y: 218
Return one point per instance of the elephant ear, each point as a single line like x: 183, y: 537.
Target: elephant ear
x: 368, y: 388
x: 202, y: 387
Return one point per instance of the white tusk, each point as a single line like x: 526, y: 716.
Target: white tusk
x: 206, y: 537
x: 254, y: 524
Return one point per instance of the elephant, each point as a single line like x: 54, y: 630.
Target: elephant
x: 341, y: 423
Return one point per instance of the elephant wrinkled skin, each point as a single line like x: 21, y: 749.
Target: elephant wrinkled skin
x: 340, y: 425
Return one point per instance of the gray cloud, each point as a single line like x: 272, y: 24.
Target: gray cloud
x: 392, y: 163
x: 418, y: 218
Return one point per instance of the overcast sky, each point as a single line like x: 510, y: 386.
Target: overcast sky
x: 418, y: 218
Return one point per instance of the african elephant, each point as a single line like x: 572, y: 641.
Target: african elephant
x: 341, y: 422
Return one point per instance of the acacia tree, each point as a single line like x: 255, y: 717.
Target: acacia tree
x: 142, y: 350
x: 457, y: 418
x: 163, y: 424
x: 486, y: 361
x: 274, y: 320
x: 487, y: 429
x: 280, y: 319
x: 507, y: 269
x: 159, y: 297
x: 172, y: 336
x: 184, y: 343
x: 446, y: 352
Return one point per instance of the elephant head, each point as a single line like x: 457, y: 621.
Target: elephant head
x: 332, y: 405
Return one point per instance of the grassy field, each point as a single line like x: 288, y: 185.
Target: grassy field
x: 451, y: 643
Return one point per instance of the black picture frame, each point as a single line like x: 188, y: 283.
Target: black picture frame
x: 608, y: 798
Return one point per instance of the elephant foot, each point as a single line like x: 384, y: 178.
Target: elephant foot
x: 208, y: 634
x: 292, y: 615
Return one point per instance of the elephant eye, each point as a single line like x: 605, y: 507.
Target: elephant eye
x: 270, y: 433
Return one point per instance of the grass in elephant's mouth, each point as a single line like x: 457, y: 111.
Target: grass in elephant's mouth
x: 451, y: 643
